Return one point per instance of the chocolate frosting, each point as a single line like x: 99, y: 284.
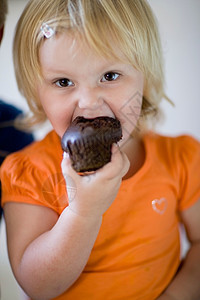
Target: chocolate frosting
x: 89, y: 141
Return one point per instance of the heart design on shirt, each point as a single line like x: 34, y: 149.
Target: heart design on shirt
x: 159, y: 205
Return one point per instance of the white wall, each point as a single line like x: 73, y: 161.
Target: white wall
x: 179, y: 22
x: 8, y: 87
x: 180, y: 30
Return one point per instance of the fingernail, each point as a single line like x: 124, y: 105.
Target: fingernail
x: 115, y: 147
x: 65, y: 155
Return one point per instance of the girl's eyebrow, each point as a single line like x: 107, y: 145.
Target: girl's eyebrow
x: 101, y: 69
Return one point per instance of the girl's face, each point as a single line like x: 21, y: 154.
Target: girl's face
x: 78, y: 82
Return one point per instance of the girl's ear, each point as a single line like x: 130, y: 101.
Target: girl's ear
x: 1, y: 33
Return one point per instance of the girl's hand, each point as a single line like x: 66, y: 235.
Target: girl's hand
x: 91, y: 195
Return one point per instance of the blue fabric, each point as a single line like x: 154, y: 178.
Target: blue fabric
x: 11, y: 139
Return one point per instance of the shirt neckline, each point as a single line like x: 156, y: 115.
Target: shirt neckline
x: 147, y: 140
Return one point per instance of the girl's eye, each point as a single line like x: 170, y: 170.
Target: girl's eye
x: 110, y: 76
x: 64, y: 82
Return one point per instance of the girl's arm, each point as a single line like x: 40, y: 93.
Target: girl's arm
x: 48, y: 253
x: 186, y: 284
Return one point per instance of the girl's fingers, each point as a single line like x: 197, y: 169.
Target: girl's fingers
x: 65, y: 164
x: 68, y: 172
x: 119, y: 164
x: 126, y: 165
x: 70, y: 176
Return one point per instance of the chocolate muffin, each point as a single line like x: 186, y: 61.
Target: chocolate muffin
x: 89, y: 142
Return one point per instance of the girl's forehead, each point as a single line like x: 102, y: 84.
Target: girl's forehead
x: 73, y: 43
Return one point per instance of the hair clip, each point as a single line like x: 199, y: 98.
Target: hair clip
x: 47, y: 30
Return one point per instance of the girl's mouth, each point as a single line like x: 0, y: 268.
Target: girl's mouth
x: 101, y: 111
x: 93, y: 115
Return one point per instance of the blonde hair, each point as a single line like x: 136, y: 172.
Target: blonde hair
x: 3, y: 11
x: 130, y: 23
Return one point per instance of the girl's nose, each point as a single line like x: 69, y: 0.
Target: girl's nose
x: 89, y: 99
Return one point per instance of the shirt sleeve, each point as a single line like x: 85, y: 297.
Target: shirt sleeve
x: 24, y: 182
x: 189, y: 171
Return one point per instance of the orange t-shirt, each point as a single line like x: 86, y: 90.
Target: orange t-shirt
x: 137, y: 250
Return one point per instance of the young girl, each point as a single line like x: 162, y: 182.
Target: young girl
x: 112, y: 234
